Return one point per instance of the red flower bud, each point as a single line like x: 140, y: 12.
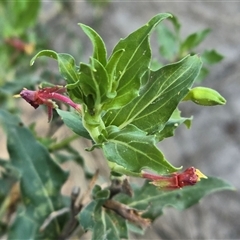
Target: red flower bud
x: 176, y: 180
x: 45, y: 95
x: 30, y: 97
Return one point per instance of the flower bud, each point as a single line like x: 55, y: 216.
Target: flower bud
x: 44, y: 96
x: 205, y: 96
x: 176, y: 180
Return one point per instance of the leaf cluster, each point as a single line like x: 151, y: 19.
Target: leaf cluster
x: 126, y: 105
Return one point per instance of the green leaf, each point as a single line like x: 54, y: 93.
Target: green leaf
x: 9, y: 176
x: 9, y: 169
x: 86, y: 216
x: 99, y: 49
x: 103, y: 223
x: 193, y: 40
x: 74, y: 122
x: 202, y: 75
x: 134, y: 61
x: 133, y: 150
x: 135, y: 229
x: 45, y: 53
x: 111, y: 227
x: 41, y: 178
x: 104, y: 194
x: 68, y: 70
x: 104, y: 227
x: 171, y: 125
x: 99, y: 231
x: 94, y: 81
x: 23, y: 15
x: 67, y: 67
x: 152, y: 201
x: 211, y: 57
x: 176, y: 24
x: 157, y: 100
x: 169, y: 45
x: 119, y: 223
x: 169, y: 40
x: 93, y: 217
x: 24, y: 227
x: 66, y: 64
x: 111, y: 70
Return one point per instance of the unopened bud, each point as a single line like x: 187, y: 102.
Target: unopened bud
x: 176, y: 180
x: 205, y: 96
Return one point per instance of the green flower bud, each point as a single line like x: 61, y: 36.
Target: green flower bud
x: 205, y: 96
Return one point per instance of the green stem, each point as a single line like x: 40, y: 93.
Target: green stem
x: 65, y: 142
x: 119, y: 169
x: 93, y: 123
